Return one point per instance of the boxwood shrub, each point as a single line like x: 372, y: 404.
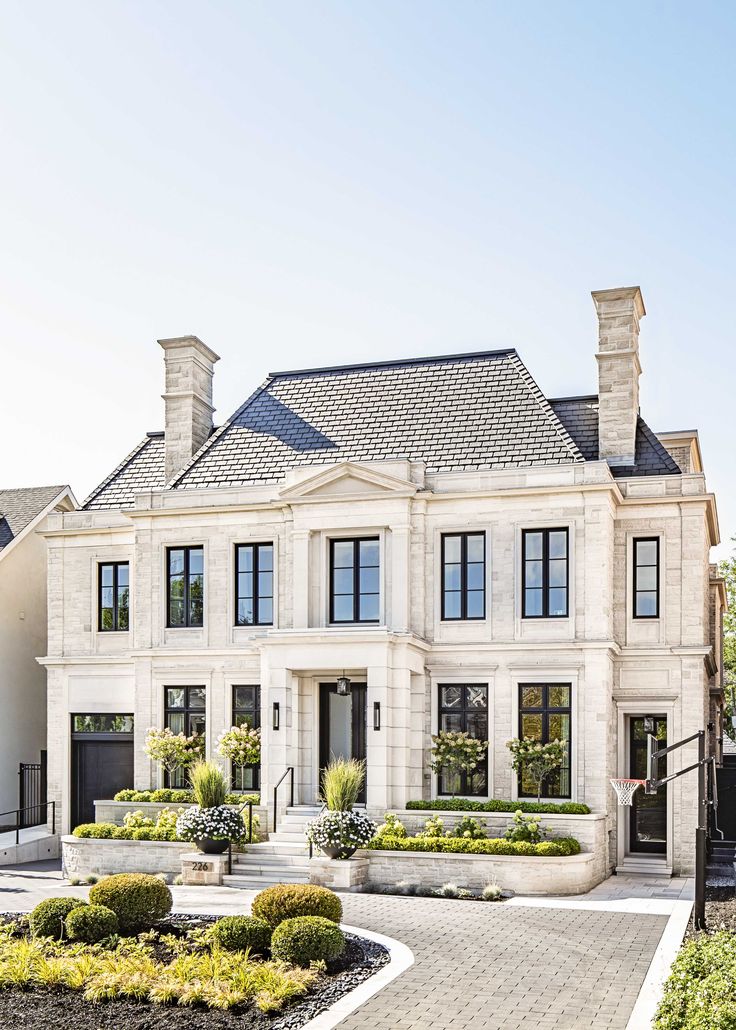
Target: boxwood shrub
x: 47, y: 918
x: 306, y: 939
x: 137, y: 899
x: 288, y: 900
x: 237, y: 933
x: 169, y: 796
x: 561, y: 846
x: 468, y: 805
x: 91, y: 923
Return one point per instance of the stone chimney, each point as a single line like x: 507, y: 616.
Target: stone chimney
x: 618, y: 313
x: 189, y: 365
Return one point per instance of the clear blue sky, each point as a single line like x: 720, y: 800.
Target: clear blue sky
x: 311, y: 183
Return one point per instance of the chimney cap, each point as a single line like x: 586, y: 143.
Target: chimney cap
x: 190, y: 341
x: 632, y: 293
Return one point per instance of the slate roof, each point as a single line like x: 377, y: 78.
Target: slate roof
x: 579, y: 416
x: 143, y: 469
x: 18, y: 508
x: 467, y: 411
x: 456, y: 413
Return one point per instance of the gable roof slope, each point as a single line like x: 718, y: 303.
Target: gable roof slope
x: 456, y: 413
x: 19, y: 507
x: 143, y: 469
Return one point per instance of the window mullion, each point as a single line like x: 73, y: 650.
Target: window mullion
x: 356, y: 580
x: 463, y: 576
x: 115, y: 596
x: 256, y: 551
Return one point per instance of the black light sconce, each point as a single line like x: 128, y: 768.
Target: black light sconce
x: 376, y: 715
x: 276, y: 715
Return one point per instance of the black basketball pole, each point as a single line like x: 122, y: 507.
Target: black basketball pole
x: 654, y: 782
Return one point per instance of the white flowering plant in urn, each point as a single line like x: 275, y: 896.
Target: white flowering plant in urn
x: 210, y: 824
x: 338, y: 834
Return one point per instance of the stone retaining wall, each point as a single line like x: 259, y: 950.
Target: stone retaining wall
x: 84, y: 856
x: 115, y: 812
x: 573, y: 874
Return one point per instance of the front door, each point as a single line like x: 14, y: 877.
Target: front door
x: 648, y: 826
x: 342, y: 725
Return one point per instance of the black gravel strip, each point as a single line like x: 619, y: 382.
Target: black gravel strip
x: 42, y: 1009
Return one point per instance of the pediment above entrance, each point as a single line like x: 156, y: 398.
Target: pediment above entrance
x: 348, y: 479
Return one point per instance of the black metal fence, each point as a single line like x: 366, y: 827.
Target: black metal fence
x: 32, y: 792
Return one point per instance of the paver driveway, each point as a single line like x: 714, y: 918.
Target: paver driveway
x: 480, y: 965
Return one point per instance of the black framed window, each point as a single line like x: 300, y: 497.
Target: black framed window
x: 184, y: 712
x: 113, y: 596
x: 247, y: 712
x: 355, y: 580
x: 463, y: 576
x: 545, y: 573
x: 646, y: 578
x: 185, y: 594
x: 463, y: 707
x: 545, y: 714
x: 254, y: 585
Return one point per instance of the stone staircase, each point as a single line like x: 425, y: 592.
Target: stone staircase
x: 283, y: 858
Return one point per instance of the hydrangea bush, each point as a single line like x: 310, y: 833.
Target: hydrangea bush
x: 173, y: 751
x: 454, y: 752
x: 241, y: 745
x: 537, y: 760
x: 342, y: 832
x: 221, y: 823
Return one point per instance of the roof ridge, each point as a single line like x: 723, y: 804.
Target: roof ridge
x: 394, y: 363
x: 574, y: 397
x: 116, y: 471
x: 548, y: 410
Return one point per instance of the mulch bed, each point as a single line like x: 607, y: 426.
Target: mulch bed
x: 41, y: 1009
x: 720, y: 910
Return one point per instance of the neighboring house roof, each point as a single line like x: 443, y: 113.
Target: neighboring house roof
x: 143, y: 469
x: 18, y: 509
x: 579, y: 416
x: 456, y: 413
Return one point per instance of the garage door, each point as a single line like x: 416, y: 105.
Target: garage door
x: 102, y: 761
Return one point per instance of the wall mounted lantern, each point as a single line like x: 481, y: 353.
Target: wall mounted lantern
x: 343, y: 686
x: 376, y: 715
x: 276, y: 715
x: 649, y: 724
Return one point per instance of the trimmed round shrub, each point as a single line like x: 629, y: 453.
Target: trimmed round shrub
x: 288, y: 900
x: 137, y: 899
x: 236, y: 933
x: 307, y: 939
x: 91, y: 923
x: 47, y: 918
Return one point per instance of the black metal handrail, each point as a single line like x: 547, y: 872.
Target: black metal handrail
x: 249, y: 806
x: 289, y: 772
x: 17, y: 812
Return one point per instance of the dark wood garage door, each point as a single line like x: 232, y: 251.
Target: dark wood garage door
x: 102, y: 764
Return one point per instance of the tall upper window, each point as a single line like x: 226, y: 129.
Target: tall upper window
x: 544, y: 715
x: 185, y: 586
x: 354, y: 580
x: 247, y: 712
x: 545, y: 573
x: 463, y: 708
x: 646, y: 578
x: 184, y: 712
x: 463, y: 576
x: 114, y: 596
x: 254, y: 585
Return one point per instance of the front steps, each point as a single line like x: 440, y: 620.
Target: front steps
x: 284, y: 858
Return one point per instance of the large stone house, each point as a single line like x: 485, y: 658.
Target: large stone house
x: 467, y: 552
x: 23, y: 623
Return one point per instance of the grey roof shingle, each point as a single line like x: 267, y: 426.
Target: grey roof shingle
x: 473, y: 411
x: 143, y: 469
x: 18, y: 508
x: 456, y: 413
x: 579, y: 415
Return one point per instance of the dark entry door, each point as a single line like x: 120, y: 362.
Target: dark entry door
x: 648, y: 826
x: 101, y: 766
x: 342, y: 725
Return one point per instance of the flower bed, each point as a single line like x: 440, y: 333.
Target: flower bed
x: 561, y: 847
x: 469, y: 805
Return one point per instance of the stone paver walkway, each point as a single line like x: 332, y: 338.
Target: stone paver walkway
x: 531, y: 963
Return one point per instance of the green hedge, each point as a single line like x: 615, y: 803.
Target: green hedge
x: 561, y: 846
x: 178, y: 797
x: 468, y: 805
x: 700, y: 993
x: 109, y: 831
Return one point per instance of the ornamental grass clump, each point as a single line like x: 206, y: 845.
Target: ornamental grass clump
x: 342, y: 782
x: 208, y: 784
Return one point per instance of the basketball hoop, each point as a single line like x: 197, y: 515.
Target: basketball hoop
x: 625, y: 790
